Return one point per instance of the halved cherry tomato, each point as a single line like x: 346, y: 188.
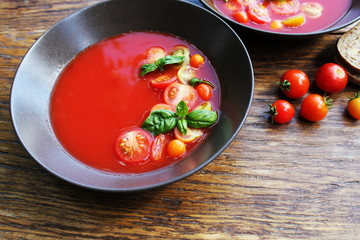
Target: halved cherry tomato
x: 311, y: 9
x: 163, y: 81
x: 353, y: 106
x: 184, y: 51
x: 285, y: 7
x: 134, y: 146
x: 241, y: 17
x: 234, y: 5
x: 315, y: 107
x: 185, y: 73
x: 281, y: 111
x: 176, y: 148
x: 294, y: 83
x: 154, y: 53
x: 205, y: 106
x: 204, y: 91
x: 294, y: 21
x: 196, y: 60
x: 248, y: 2
x: 162, y: 106
x: 258, y: 13
x: 331, y: 78
x: 191, y: 135
x: 176, y: 92
x: 158, y: 149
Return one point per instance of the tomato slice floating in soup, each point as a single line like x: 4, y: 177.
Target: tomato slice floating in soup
x: 176, y: 92
x: 134, y: 146
x: 248, y: 2
x: 285, y: 7
x: 258, y: 13
x: 163, y: 81
x: 158, y: 149
x: 311, y: 9
x: 186, y: 73
x: 234, y: 5
x: 190, y: 136
x: 154, y: 53
x: 163, y: 106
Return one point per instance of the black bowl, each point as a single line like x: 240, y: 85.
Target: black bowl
x: 350, y: 17
x: 43, y: 63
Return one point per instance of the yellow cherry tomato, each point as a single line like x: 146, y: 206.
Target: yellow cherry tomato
x: 354, y: 106
x: 176, y: 148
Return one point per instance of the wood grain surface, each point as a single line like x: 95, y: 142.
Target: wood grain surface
x: 294, y: 181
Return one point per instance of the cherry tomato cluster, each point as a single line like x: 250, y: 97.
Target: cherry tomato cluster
x: 330, y: 78
x: 178, y: 83
x: 277, y: 14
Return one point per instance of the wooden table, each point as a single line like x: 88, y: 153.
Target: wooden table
x: 294, y: 181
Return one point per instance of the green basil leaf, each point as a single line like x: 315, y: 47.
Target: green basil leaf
x: 182, y: 126
x: 146, y: 68
x: 160, y: 121
x: 170, y: 59
x: 160, y: 63
x: 196, y: 81
x: 201, y: 118
x: 182, y: 109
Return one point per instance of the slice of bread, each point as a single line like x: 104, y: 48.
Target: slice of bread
x: 348, y: 53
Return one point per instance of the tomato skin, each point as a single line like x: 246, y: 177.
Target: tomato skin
x: 353, y: 107
x: 204, y: 91
x: 191, y: 135
x: 285, y: 7
x: 163, y: 81
x: 154, y: 54
x: 163, y: 106
x: 294, y: 83
x: 241, y: 17
x: 282, y: 111
x: 196, y: 60
x: 314, y: 108
x: 234, y: 5
x: 176, y: 148
x: 158, y: 148
x: 133, y: 146
x: 258, y: 13
x: 331, y: 78
x: 176, y: 92
x: 311, y: 9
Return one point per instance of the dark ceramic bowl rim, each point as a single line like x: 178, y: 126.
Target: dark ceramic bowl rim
x: 331, y: 28
x: 17, y: 121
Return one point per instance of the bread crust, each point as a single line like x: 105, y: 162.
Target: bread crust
x: 348, y: 53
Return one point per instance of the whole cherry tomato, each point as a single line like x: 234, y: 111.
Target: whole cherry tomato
x: 196, y: 60
x: 294, y: 83
x: 204, y: 91
x: 176, y: 148
x: 281, y: 111
x: 331, y: 78
x: 354, y: 106
x: 315, y: 107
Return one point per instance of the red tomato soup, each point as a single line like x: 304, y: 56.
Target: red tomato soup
x: 289, y: 16
x: 130, y: 104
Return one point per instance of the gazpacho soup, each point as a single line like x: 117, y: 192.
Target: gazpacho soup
x: 290, y: 16
x: 135, y: 102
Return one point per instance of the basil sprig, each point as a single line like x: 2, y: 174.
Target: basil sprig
x: 160, y: 63
x: 163, y: 121
x: 196, y: 81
